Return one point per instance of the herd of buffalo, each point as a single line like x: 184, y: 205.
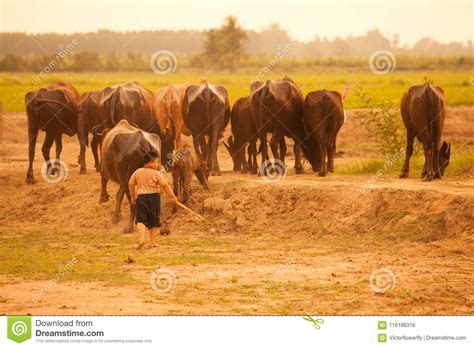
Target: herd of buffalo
x: 126, y: 120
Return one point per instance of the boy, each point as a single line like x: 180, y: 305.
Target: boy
x: 146, y: 198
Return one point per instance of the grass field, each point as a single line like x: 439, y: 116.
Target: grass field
x: 458, y: 86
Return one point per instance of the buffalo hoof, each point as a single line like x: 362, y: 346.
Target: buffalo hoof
x: 254, y: 170
x: 428, y: 178
x: 83, y: 170
x: 403, y: 175
x: 104, y: 198
x: 116, y: 218
x: 30, y: 179
x: 299, y: 170
x: 215, y: 172
x: 97, y: 169
x: 331, y: 169
x: 322, y: 174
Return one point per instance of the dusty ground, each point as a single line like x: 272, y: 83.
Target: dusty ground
x: 300, y: 245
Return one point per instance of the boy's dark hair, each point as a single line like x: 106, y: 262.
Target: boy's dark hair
x: 150, y: 156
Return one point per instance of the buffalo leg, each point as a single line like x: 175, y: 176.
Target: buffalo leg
x: 95, y: 148
x: 298, y: 166
x: 214, y: 163
x: 322, y: 151
x: 253, y: 167
x: 409, y: 151
x: 263, y: 143
x: 45, y: 149
x: 129, y: 227
x: 59, y: 148
x: 423, y: 172
x: 104, y: 195
x: 243, y: 163
x: 331, y: 149
x: 82, y: 155
x: 197, y: 149
x: 118, y: 205
x: 429, y: 161
x: 274, y: 143
x: 204, y: 149
x: 283, y: 149
x: 32, y: 136
x: 437, y: 174
x: 186, y: 188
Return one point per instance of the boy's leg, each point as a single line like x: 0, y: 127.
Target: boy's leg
x: 153, y: 233
x: 141, y: 229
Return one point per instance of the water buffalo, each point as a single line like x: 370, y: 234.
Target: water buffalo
x: 206, y: 111
x: 323, y: 116
x: 123, y: 148
x: 169, y: 102
x: 243, y: 133
x: 52, y: 109
x: 136, y: 104
x: 279, y: 104
x: 88, y: 119
x: 422, y: 109
x: 183, y: 170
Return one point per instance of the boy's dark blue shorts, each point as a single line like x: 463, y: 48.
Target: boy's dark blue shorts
x: 147, y: 209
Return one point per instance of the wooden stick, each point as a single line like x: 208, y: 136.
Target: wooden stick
x: 191, y: 211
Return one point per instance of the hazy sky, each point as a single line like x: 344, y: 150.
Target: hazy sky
x: 442, y: 20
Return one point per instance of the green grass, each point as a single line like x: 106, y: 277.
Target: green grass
x: 457, y: 86
x: 461, y: 163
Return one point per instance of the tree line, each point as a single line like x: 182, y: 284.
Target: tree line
x: 227, y: 47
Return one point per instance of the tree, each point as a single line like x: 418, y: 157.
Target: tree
x: 224, y: 47
x: 86, y: 61
x: 12, y: 62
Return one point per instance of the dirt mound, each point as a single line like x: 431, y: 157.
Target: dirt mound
x: 386, y: 213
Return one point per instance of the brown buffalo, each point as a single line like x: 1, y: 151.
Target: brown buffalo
x: 323, y: 116
x: 183, y: 170
x: 279, y: 104
x: 136, y: 104
x: 88, y: 119
x: 53, y: 109
x: 422, y: 109
x: 123, y: 148
x: 206, y: 111
x: 243, y: 133
x: 169, y: 102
